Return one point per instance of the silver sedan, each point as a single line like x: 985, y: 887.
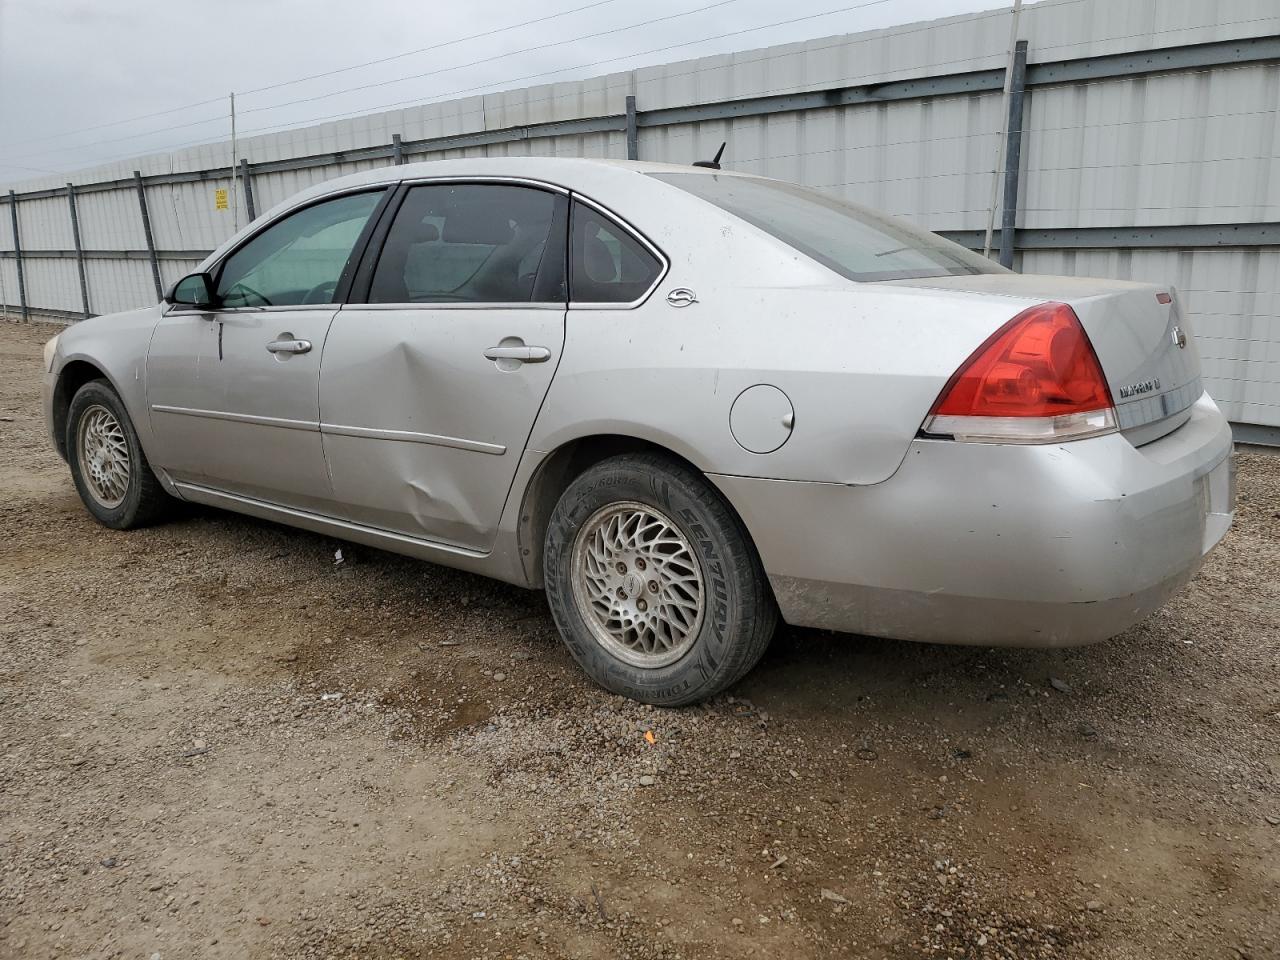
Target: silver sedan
x: 685, y: 402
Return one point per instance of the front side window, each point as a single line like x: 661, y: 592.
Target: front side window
x: 606, y: 263
x: 473, y: 243
x: 855, y: 242
x: 300, y: 259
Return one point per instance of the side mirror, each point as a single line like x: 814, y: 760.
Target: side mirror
x: 193, y: 290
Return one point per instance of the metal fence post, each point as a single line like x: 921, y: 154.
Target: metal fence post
x: 397, y: 150
x: 248, y: 190
x: 1013, y: 153
x: 17, y: 256
x: 75, y: 235
x: 146, y: 229
x: 633, y: 131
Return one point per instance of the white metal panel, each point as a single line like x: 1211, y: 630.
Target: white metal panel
x: 45, y: 224
x: 184, y: 216
x: 928, y: 161
x: 53, y: 284
x: 9, y: 289
x: 1187, y: 148
x: 116, y: 285
x: 1062, y: 29
x: 110, y: 220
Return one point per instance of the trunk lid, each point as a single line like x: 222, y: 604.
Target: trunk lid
x: 1138, y: 331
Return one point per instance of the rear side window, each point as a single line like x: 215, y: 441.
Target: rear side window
x: 473, y: 243
x: 607, y: 264
x: 855, y: 242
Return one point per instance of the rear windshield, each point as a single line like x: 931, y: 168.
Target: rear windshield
x: 852, y: 240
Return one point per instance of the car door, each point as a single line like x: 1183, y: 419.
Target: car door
x: 429, y: 388
x: 234, y: 390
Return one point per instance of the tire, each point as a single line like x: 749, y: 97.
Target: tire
x: 642, y: 526
x: 110, y: 471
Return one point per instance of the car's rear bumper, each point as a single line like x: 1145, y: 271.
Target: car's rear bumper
x: 1002, y: 544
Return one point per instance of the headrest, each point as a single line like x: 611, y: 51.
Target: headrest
x: 598, y: 262
x: 478, y: 225
x: 424, y: 232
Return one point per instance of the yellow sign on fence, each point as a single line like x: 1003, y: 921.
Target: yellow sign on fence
x: 220, y: 200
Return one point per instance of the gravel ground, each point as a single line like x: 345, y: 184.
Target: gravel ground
x: 216, y: 742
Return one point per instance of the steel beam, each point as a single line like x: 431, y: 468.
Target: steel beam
x: 321, y: 160
x: 1255, y: 433
x: 555, y: 128
x: 633, y: 131
x: 1013, y: 152
x: 146, y: 229
x: 1174, y: 237
x: 248, y: 190
x: 52, y: 313
x: 17, y: 256
x: 1194, y: 56
x: 979, y: 81
x: 108, y: 254
x: 1182, y: 236
x: 75, y: 236
x: 1209, y: 235
x: 126, y: 183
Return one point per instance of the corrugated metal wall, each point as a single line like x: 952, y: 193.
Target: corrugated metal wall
x: 1182, y: 148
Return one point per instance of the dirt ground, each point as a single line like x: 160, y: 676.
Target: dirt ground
x: 216, y: 742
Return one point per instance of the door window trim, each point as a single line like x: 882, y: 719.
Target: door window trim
x: 362, y: 278
x: 345, y: 279
x: 635, y: 235
x: 541, y: 305
x: 358, y: 273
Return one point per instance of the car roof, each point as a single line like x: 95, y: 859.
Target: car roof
x: 564, y: 171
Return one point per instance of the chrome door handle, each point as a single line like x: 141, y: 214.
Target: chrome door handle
x: 520, y: 353
x: 289, y: 346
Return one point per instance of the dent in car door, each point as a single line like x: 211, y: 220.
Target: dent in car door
x: 429, y: 391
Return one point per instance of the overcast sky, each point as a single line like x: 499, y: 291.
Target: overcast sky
x: 70, y: 65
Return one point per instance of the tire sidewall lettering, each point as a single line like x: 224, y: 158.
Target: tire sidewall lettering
x: 718, y: 614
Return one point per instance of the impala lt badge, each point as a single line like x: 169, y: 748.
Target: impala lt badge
x: 1141, y: 387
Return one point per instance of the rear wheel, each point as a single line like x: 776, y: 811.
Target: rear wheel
x: 653, y: 582
x: 108, y: 466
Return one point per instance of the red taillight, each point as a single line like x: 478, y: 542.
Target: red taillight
x: 1038, y: 370
x: 1039, y: 364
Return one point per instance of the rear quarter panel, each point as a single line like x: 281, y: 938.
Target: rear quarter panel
x: 862, y: 363
x: 861, y: 367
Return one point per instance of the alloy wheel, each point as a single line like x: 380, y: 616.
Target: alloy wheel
x: 638, y: 584
x: 104, y: 456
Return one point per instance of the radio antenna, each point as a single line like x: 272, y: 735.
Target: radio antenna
x: 713, y: 164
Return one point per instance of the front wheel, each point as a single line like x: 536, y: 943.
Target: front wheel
x: 108, y: 466
x: 654, y: 583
